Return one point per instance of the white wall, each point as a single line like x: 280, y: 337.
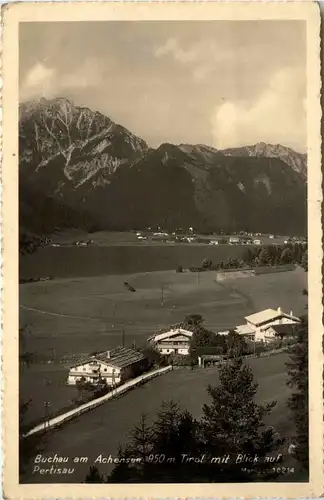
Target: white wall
x: 86, y: 371
x: 168, y: 350
x: 261, y: 331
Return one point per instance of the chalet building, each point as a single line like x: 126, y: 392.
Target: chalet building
x: 174, y: 340
x: 115, y: 367
x: 257, y: 324
x: 246, y: 331
x: 280, y: 332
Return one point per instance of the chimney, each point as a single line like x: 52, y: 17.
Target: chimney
x: 291, y: 313
x: 279, y: 309
x: 108, y: 354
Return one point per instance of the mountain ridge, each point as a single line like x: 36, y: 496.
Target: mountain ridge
x: 83, y: 160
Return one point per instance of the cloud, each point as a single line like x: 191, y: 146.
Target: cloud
x: 38, y: 81
x: 90, y: 74
x: 217, y: 83
x: 172, y: 47
x: 277, y: 115
x: 201, y: 58
x: 44, y: 81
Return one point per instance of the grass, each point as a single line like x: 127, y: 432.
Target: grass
x: 87, y: 314
x: 102, y: 430
x: 78, y: 316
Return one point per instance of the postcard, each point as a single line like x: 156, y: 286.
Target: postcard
x: 162, y: 250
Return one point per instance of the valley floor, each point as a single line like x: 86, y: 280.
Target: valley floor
x: 77, y: 316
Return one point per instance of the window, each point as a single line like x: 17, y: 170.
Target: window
x: 84, y: 369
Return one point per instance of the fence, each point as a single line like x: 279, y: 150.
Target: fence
x: 274, y: 269
x: 65, y: 417
x: 235, y: 273
x: 264, y: 354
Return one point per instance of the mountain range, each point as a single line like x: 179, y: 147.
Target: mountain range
x: 79, y: 168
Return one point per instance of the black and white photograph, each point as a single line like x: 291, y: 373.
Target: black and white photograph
x: 163, y: 178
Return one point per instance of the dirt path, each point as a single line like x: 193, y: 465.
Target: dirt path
x: 62, y: 315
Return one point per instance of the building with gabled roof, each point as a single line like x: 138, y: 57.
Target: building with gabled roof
x: 172, y: 340
x: 113, y: 367
x: 281, y: 332
x: 261, y: 321
x: 246, y: 331
x: 267, y: 315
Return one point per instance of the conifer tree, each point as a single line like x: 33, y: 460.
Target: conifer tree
x: 304, y: 261
x: 123, y: 472
x: 175, y: 436
x: 94, y: 476
x: 159, y: 447
x: 286, y: 256
x: 233, y: 423
x: 141, y: 446
x: 297, y: 369
x: 264, y: 256
x: 134, y: 464
x: 235, y: 344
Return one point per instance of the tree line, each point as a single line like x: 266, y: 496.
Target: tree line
x: 271, y: 255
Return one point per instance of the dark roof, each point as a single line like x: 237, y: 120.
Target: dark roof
x: 119, y: 357
x: 284, y: 329
x: 183, y: 325
x: 208, y: 350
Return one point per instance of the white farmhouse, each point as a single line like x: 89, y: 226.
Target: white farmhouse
x: 258, y: 324
x: 175, y: 340
x: 280, y: 332
x: 113, y: 366
x: 246, y: 331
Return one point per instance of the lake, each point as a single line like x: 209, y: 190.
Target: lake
x: 72, y: 261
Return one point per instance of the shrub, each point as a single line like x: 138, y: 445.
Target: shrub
x: 206, y: 264
x: 180, y: 360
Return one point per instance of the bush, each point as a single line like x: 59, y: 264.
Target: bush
x: 179, y: 269
x: 194, y: 269
x: 206, y: 264
x: 154, y: 357
x: 179, y: 360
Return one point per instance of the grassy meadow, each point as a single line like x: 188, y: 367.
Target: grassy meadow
x: 70, y: 317
x: 103, y: 429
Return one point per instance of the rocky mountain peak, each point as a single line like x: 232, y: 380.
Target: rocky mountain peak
x: 76, y: 141
x: 92, y: 165
x: 297, y: 161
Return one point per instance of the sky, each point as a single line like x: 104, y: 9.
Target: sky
x: 219, y: 83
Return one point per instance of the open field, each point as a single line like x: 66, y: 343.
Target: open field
x: 79, y: 316
x: 102, y: 430
x: 88, y: 314
x: 101, y: 260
